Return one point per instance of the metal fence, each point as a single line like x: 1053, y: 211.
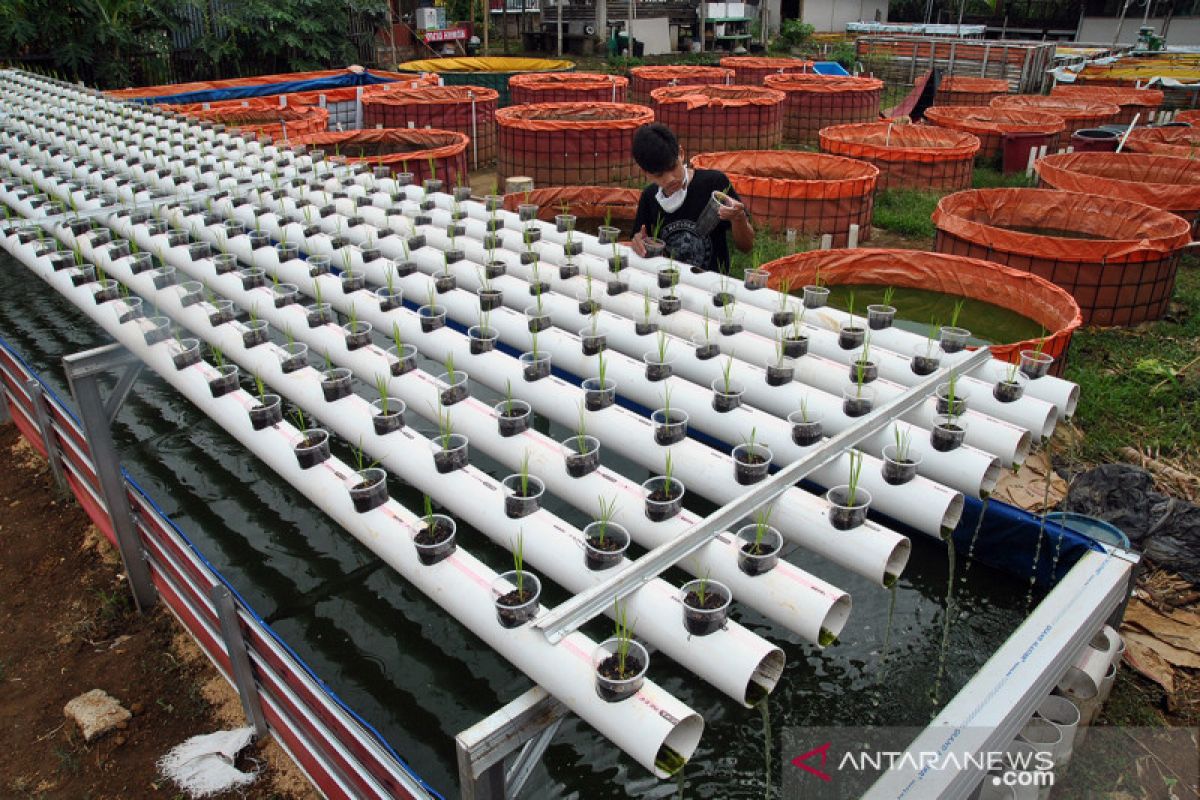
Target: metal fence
x: 341, y: 754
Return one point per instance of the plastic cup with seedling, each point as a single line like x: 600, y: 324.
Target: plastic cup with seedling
x: 760, y: 544
x: 883, y: 314
x: 516, y: 606
x: 848, y: 502
x: 620, y: 662
x: 751, y: 460
x: 899, y: 462
x: 605, y: 541
x: 658, y: 364
x: 670, y: 425
x: 954, y: 338
x: 1036, y: 363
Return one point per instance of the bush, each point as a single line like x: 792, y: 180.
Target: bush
x: 793, y: 34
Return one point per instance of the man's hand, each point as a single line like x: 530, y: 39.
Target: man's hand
x: 637, y: 244
x: 731, y: 210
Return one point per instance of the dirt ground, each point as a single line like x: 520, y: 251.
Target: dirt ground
x: 67, y: 626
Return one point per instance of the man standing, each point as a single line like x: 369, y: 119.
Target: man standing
x: 676, y: 203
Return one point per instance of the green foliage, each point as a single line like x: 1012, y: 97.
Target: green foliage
x: 794, y: 33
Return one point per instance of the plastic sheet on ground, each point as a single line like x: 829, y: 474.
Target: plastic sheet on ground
x: 1165, y: 529
x: 1026, y: 488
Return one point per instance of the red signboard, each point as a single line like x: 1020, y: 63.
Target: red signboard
x: 445, y: 35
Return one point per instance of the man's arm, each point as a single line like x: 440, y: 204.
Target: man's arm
x: 738, y: 218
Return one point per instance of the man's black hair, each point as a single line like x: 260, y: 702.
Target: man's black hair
x: 655, y: 148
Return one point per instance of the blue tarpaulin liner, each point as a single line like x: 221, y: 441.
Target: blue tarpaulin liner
x: 829, y: 68
x: 343, y: 81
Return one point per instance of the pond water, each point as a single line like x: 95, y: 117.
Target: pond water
x: 918, y: 309
x: 419, y: 677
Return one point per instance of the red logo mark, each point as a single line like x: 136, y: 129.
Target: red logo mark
x: 823, y: 753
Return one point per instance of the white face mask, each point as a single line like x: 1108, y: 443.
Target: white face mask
x: 675, y: 201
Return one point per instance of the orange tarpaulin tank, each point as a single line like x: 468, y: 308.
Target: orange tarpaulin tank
x: 807, y: 192
x: 466, y: 109
x: 960, y: 90
x: 1167, y: 182
x: 1182, y: 142
x: 1033, y: 297
x: 712, y: 118
x: 1131, y: 101
x: 570, y: 144
x: 1190, y: 116
x: 990, y: 125
x: 585, y: 202
x: 1116, y: 258
x: 643, y: 80
x: 400, y: 150
x: 567, y: 87
x: 751, y: 70
x: 262, y: 116
x: 1078, y: 114
x: 816, y: 101
x: 920, y: 157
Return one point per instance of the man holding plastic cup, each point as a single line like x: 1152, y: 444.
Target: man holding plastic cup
x: 689, y: 211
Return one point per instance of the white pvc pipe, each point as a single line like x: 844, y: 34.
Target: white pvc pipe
x: 796, y: 600
x: 461, y: 584
x: 832, y: 604
x: 732, y: 659
x: 876, y: 552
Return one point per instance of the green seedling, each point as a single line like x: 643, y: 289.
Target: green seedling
x: 298, y: 419
x: 762, y: 523
x: 581, y: 431
x: 428, y: 502
x: 519, y: 561
x: 726, y: 371
x: 623, y: 633
x: 360, y: 457
x: 958, y: 307
x: 662, y: 345
x: 804, y: 409
x: 658, y: 224
x: 607, y: 509
x: 646, y: 304
x: 903, y: 440
x: 508, y: 398
x: 260, y: 388
x: 785, y: 290
x: 396, y: 338
x: 888, y: 293
x: 856, y: 462
x: 451, y: 375
x: 701, y: 587
x: 381, y: 386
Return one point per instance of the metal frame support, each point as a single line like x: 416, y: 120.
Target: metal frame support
x: 567, y: 617
x: 239, y: 657
x: 527, y: 724
x: 5, y: 414
x: 41, y: 416
x: 83, y: 374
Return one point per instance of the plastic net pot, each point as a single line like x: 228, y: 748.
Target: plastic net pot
x: 1117, y: 258
x: 569, y: 144
x: 1040, y: 300
x: 920, y: 157
x: 753, y: 70
x: 436, y: 540
x: 1181, y: 142
x: 1132, y: 102
x: 1167, y: 182
x: 470, y: 110
x: 1076, y: 113
x: 491, y: 72
x: 644, y: 80
x: 961, y: 90
x: 612, y: 684
x: 814, y: 101
x: 705, y: 606
x: 516, y: 597
x: 605, y: 544
x: 807, y: 192
x: 400, y: 151
x: 567, y: 87
x: 717, y: 118
x: 262, y: 117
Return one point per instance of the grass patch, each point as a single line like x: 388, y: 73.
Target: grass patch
x: 992, y: 178
x: 768, y: 246
x: 906, y: 212
x: 1141, y: 386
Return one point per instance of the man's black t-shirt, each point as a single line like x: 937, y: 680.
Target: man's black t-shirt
x: 693, y: 235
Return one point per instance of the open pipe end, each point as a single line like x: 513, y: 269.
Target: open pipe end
x: 1072, y: 402
x: 766, y: 676
x: 897, y: 561
x: 954, y: 512
x: 678, y: 747
x: 991, y: 476
x: 835, y: 620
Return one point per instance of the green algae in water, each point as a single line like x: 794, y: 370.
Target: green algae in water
x: 765, y: 710
x: 756, y: 693
x: 988, y: 324
x: 669, y: 761
x: 826, y: 637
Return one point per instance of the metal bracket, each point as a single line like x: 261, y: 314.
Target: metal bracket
x: 567, y: 617
x: 41, y: 416
x: 528, y: 724
x: 83, y: 374
x: 239, y: 658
